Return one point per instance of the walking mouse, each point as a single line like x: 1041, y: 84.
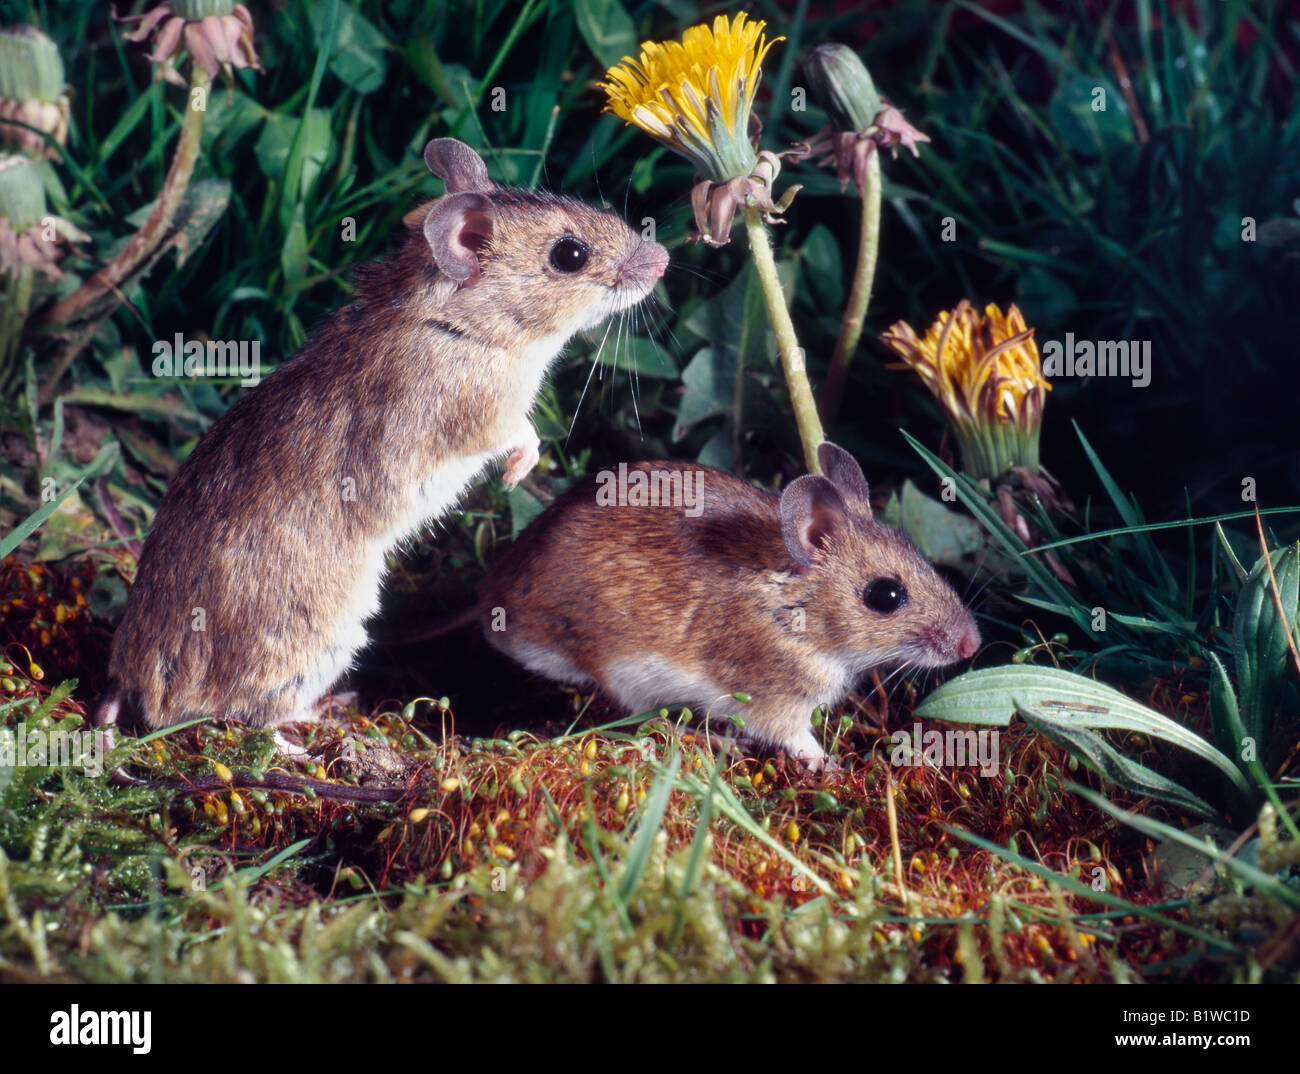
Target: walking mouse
x: 268, y: 550
x: 678, y: 583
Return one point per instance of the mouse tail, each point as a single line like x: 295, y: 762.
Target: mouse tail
x: 105, y: 722
x: 110, y: 706
x: 436, y: 628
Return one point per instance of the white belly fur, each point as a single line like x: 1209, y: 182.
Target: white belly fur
x: 437, y: 493
x: 650, y: 681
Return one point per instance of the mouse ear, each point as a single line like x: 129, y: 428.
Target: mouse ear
x: 812, y: 510
x: 845, y: 474
x: 457, y: 228
x: 457, y: 165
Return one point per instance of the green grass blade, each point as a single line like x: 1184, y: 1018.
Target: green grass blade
x: 107, y: 456
x: 1075, y: 887
x: 976, y: 502
x: 655, y: 808
x: 1265, y: 883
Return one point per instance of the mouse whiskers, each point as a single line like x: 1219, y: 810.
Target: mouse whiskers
x: 595, y: 364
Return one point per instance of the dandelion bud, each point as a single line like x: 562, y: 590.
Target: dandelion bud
x: 839, y: 81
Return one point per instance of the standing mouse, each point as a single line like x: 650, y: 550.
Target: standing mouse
x: 268, y: 550
x: 720, y: 587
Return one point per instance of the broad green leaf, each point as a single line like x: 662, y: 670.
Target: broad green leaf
x: 708, y: 383
x: 641, y: 356
x: 1111, y: 764
x: 1090, y: 115
x: 941, y: 534
x: 736, y: 326
x: 991, y: 695
x: 608, y: 29
x: 524, y: 507
x: 275, y: 141
x: 358, y: 54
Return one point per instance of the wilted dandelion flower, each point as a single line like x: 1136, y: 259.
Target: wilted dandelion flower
x: 696, y: 96
x: 31, y: 90
x: 988, y: 377
x: 217, y: 33
x: 29, y: 236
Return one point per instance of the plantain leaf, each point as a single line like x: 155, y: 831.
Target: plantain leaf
x: 1225, y: 718
x: 1111, y: 764
x: 1260, y: 637
x: 991, y: 695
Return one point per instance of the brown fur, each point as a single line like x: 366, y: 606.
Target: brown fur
x: 280, y: 508
x: 720, y: 597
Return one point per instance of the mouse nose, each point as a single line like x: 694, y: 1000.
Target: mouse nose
x: 968, y: 643
x: 647, y: 263
x: 656, y: 258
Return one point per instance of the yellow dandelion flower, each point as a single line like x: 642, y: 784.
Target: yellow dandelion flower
x: 988, y: 377
x: 696, y: 95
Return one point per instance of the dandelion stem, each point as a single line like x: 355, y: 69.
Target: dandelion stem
x: 792, y: 355
x: 15, y: 298
x: 855, y: 311
x: 145, y: 241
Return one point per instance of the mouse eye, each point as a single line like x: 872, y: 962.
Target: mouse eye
x: 569, y: 254
x: 885, y: 595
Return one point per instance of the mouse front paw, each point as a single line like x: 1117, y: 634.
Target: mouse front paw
x: 805, y: 749
x: 523, y: 457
